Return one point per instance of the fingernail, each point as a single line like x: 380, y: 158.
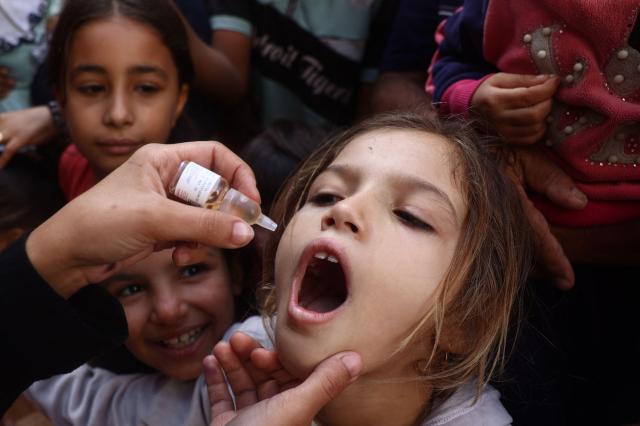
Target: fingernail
x: 542, y: 77
x: 353, y: 364
x: 579, y: 196
x: 241, y: 233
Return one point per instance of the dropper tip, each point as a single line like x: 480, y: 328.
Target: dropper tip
x: 266, y: 223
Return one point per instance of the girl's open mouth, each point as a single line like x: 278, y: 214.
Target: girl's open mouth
x: 320, y: 285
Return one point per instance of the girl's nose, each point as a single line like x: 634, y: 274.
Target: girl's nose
x: 168, y: 309
x: 345, y: 215
x: 119, y: 112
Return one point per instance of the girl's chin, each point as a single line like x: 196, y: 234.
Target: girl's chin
x: 299, y: 359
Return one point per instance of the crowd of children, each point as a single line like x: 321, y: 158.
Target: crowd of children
x: 475, y: 242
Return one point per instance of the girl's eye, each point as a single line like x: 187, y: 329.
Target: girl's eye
x: 147, y: 89
x: 324, y: 199
x: 130, y: 290
x: 412, y: 221
x: 91, y: 89
x: 192, y: 270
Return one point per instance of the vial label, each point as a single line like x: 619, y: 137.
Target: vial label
x: 195, y: 184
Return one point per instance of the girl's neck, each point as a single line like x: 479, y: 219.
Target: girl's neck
x: 378, y: 402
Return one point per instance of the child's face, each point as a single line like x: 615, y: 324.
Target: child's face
x: 121, y: 92
x: 388, y: 211
x: 176, y: 315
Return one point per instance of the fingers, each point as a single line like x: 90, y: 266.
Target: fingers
x: 525, y: 96
x: 11, y: 146
x: 535, y: 114
x: 182, y: 222
x: 212, y: 155
x: 268, y: 363
x: 237, y: 375
x: 219, y: 397
x: 545, y: 177
x: 550, y: 252
x: 326, y: 382
x: 262, y: 365
x: 517, y: 105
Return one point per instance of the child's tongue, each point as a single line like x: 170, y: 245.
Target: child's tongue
x: 323, y: 288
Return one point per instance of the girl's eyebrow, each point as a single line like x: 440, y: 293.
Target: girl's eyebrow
x: 146, y: 69
x: 135, y: 69
x: 350, y: 172
x: 87, y: 68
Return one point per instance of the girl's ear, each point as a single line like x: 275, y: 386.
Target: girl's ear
x: 182, y: 101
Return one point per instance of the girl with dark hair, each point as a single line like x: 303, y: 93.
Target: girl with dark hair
x: 120, y: 70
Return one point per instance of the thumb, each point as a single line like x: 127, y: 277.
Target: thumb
x: 545, y: 177
x: 326, y: 382
x: 182, y: 222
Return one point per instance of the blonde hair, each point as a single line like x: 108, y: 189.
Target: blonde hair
x: 491, y: 261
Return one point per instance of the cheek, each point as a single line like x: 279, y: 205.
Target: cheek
x: 161, y: 114
x: 215, y: 296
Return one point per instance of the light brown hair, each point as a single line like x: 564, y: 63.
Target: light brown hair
x: 476, y: 298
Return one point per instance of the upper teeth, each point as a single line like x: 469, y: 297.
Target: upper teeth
x: 184, y: 339
x: 324, y: 256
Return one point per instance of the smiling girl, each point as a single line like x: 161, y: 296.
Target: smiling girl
x: 120, y: 70
x: 399, y: 240
x: 175, y: 315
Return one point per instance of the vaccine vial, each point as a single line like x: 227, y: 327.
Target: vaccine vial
x: 200, y: 186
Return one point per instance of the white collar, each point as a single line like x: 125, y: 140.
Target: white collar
x: 18, y: 19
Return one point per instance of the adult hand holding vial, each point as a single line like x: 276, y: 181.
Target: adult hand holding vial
x: 200, y: 186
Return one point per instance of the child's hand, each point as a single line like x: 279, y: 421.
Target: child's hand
x: 265, y: 392
x: 530, y: 168
x: 516, y: 104
x: 25, y: 127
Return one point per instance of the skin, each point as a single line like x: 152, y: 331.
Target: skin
x: 30, y: 126
x: 397, y: 215
x: 265, y: 392
x: 129, y: 213
x: 163, y: 301
x: 121, y: 91
x: 517, y: 105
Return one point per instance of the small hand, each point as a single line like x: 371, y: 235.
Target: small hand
x: 31, y: 126
x: 516, y: 105
x: 265, y: 392
x: 530, y: 168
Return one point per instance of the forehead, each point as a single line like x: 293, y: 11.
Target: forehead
x: 402, y: 151
x: 412, y: 153
x: 117, y: 40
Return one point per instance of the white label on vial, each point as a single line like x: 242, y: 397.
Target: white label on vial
x: 195, y: 184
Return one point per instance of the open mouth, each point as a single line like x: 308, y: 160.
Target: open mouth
x: 184, y: 340
x: 323, y: 288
